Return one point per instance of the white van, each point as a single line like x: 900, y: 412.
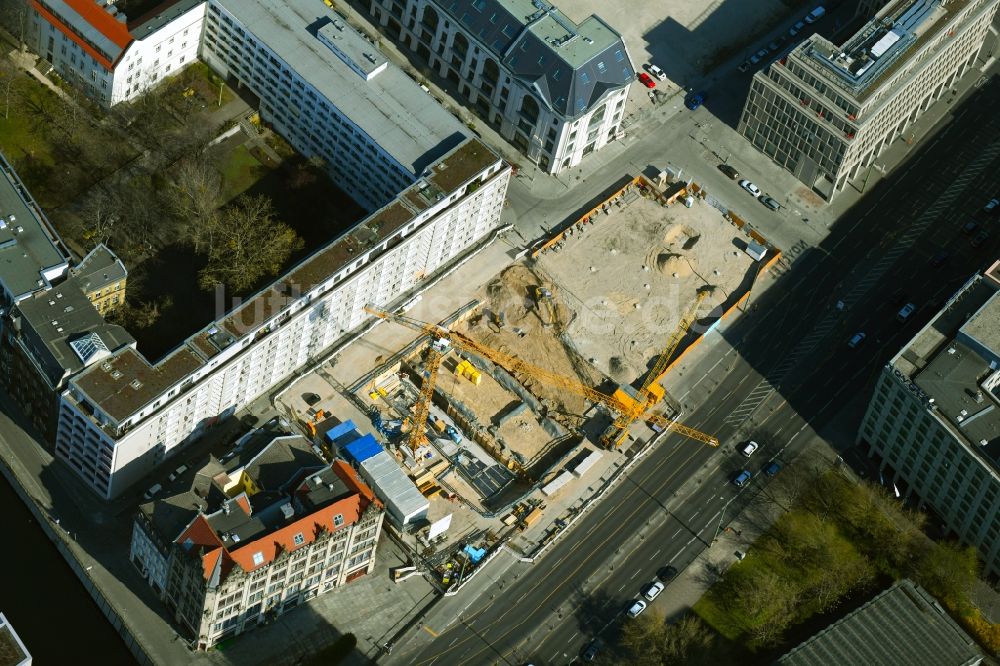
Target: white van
x: 816, y: 14
x: 152, y: 492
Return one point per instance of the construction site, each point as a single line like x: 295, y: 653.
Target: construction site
x: 552, y: 373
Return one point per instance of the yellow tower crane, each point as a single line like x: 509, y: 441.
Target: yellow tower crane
x: 650, y: 393
x: 615, y: 403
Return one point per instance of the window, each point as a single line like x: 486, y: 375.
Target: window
x: 338, y: 520
x: 298, y: 539
x: 258, y: 559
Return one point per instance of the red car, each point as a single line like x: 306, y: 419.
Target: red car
x: 647, y: 80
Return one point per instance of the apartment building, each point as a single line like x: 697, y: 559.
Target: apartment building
x: 825, y: 112
x: 253, y: 538
x: 123, y: 416
x: 107, y: 56
x: 553, y: 88
x: 47, y: 338
x: 934, y: 424
x: 330, y: 93
x: 32, y: 256
x: 102, y: 277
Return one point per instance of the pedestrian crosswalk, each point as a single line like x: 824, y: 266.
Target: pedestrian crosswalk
x: 881, y: 260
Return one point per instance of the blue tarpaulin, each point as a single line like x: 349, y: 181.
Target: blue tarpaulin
x: 475, y: 554
x: 364, y: 448
x: 339, y: 430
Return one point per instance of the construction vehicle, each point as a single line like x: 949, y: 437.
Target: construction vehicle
x: 311, y: 423
x: 619, y: 403
x: 649, y: 393
x: 544, y: 302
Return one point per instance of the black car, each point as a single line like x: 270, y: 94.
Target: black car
x: 667, y: 573
x: 730, y: 171
x: 899, y: 298
x: 980, y: 238
x: 591, y: 652
x: 970, y: 227
x: 939, y: 259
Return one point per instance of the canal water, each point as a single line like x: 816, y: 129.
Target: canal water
x: 45, y: 602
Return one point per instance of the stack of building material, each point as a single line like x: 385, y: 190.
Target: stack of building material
x: 467, y: 370
x: 589, y: 461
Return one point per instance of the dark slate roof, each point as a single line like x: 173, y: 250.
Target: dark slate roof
x: 100, y: 268
x: 903, y: 625
x: 570, y: 66
x: 53, y: 320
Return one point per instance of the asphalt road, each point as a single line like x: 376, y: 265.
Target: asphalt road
x: 669, y: 507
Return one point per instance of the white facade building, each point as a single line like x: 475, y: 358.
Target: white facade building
x: 826, y: 111
x: 553, y: 88
x: 330, y: 93
x: 109, y: 57
x: 123, y: 416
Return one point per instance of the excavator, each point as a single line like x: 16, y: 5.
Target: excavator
x: 626, y: 408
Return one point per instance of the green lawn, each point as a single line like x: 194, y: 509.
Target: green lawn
x: 240, y: 170
x: 21, y: 132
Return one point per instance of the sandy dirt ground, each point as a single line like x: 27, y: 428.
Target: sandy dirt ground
x: 631, y: 275
x: 521, y: 433
x: 526, y: 336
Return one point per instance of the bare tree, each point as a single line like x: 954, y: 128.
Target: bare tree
x: 100, y: 213
x: 248, y: 243
x: 14, y: 17
x: 9, y: 73
x: 195, y: 197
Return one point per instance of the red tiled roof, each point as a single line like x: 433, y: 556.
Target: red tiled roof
x: 201, y: 534
x: 270, y: 545
x: 244, y: 503
x: 95, y: 16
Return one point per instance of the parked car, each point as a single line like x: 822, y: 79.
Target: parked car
x: 980, y: 238
x: 797, y: 28
x: 899, y: 297
x: 740, y: 555
x: 653, y: 590
x: 856, y: 340
x: 757, y: 57
x: 729, y: 170
x: 647, y: 80
x: 591, y: 652
x: 694, y: 100
x: 905, y: 312
x: 177, y: 472
x: 635, y: 610
x: 775, y: 44
x: 744, y: 66
x: 657, y: 72
x: 772, y: 468
x: 816, y: 14
x: 770, y: 202
x: 992, y: 206
x: 970, y: 227
x: 667, y: 573
x: 750, y: 187
x: 749, y: 448
x: 153, y: 491
x: 743, y: 478
x: 939, y: 259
